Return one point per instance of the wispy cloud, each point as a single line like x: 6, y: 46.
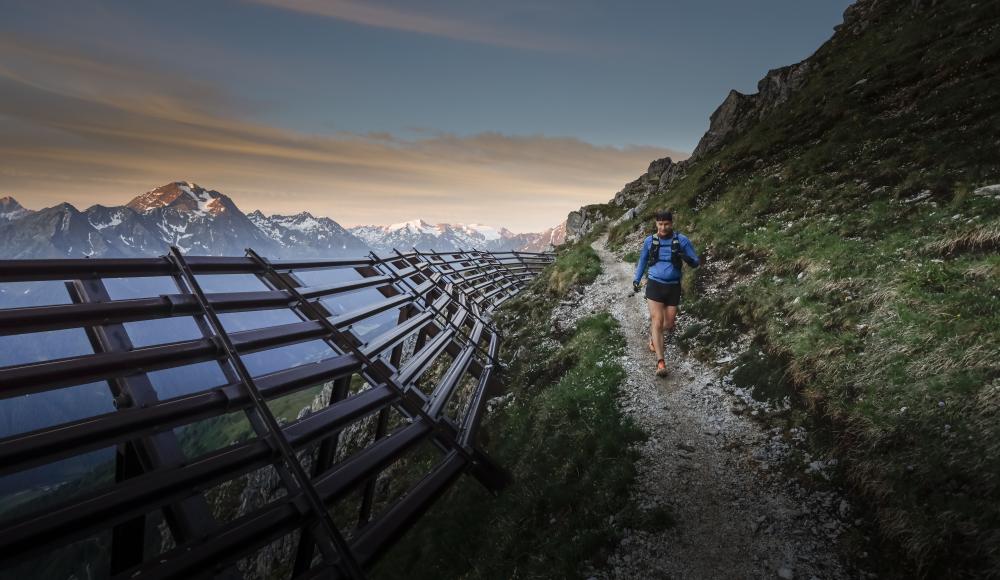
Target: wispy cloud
x: 101, y: 131
x: 374, y: 14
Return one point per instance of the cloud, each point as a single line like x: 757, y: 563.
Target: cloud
x: 372, y: 14
x: 102, y: 131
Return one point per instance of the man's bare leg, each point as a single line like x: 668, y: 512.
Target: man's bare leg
x: 669, y: 319
x: 656, y: 321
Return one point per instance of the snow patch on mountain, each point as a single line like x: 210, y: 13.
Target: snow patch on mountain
x: 115, y: 220
x: 207, y: 204
x: 418, y: 226
x: 302, y: 222
x: 488, y: 233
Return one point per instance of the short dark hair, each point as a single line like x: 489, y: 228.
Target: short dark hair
x: 663, y: 216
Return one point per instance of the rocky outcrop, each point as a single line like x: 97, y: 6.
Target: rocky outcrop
x: 739, y: 112
x: 580, y: 222
x: 662, y: 173
x: 860, y: 15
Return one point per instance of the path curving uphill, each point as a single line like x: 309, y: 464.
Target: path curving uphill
x: 735, y: 516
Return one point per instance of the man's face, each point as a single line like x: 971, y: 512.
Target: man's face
x: 664, y: 228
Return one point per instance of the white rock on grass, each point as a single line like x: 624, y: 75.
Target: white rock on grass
x: 989, y: 191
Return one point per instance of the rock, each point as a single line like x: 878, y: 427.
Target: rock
x: 660, y: 175
x: 630, y: 214
x: 738, y: 111
x: 580, y: 222
x: 686, y: 446
x: 988, y: 191
x: 786, y: 573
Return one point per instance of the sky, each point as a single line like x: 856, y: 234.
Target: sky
x: 371, y: 111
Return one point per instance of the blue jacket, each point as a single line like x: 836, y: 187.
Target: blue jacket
x: 663, y: 270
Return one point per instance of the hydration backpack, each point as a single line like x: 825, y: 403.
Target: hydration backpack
x: 675, y: 251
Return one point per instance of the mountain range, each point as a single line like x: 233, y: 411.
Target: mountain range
x: 201, y: 221
x: 445, y: 237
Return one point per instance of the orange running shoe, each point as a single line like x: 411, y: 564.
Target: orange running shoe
x: 661, y: 368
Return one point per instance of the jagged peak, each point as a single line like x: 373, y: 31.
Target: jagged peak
x: 8, y: 202
x: 11, y: 210
x: 182, y: 195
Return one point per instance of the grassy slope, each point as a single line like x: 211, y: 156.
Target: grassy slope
x: 884, y: 310
x: 564, y: 441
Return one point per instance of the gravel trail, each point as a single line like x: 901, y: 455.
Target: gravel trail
x: 715, y: 470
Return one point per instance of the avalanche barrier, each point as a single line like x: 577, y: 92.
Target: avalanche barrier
x: 384, y: 321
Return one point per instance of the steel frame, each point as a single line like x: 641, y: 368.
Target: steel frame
x: 445, y: 301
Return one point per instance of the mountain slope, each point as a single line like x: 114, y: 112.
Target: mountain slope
x: 849, y: 218
x: 54, y: 232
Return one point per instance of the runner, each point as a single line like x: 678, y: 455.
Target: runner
x: 664, y: 251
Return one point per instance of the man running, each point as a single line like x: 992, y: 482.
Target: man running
x: 664, y: 251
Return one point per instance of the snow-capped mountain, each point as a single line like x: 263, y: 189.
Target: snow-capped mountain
x: 545, y: 241
x: 320, y: 234
x: 53, y: 232
x: 202, y: 221
x: 197, y: 220
x: 417, y: 233
x: 10, y: 210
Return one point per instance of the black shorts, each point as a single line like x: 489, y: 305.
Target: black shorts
x: 669, y: 294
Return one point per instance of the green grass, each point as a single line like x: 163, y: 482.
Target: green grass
x: 577, y: 264
x: 567, y: 446
x: 882, y: 314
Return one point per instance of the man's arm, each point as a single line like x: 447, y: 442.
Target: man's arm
x: 640, y: 268
x: 689, y: 254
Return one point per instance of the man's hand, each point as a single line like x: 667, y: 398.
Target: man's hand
x: 635, y: 287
